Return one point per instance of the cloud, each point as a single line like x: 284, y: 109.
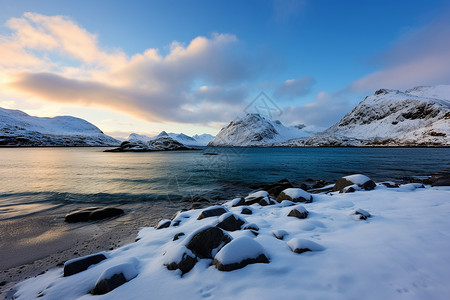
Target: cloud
x: 294, y: 88
x: 57, y: 60
x: 326, y: 110
x: 420, y: 57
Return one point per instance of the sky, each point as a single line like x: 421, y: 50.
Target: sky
x: 193, y: 66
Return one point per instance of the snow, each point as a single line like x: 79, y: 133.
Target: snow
x: 59, y: 131
x: 297, y: 243
x: 419, y: 116
x: 295, y: 193
x: 255, y: 130
x: 239, y: 249
x: 358, y: 179
x: 401, y: 252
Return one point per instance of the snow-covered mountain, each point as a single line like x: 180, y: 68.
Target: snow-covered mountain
x: 255, y: 130
x: 196, y: 140
x: 20, y: 129
x: 416, y: 117
x: 162, y: 142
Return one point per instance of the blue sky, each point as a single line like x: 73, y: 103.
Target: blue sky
x: 315, y: 59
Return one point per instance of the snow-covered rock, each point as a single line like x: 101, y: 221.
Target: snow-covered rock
x: 114, y: 277
x: 255, y: 130
x: 20, y: 129
x: 359, y: 180
x: 416, y: 117
x: 295, y: 195
x: 299, y: 245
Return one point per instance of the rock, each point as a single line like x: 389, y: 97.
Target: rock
x: 257, y: 197
x: 177, y: 236
x: 212, y: 212
x: 265, y: 202
x: 163, y: 224
x: 204, y: 242
x: 230, y: 222
x: 319, y: 184
x: 358, y: 179
x: 298, y: 212
x: 113, y: 278
x: 78, y: 265
x: 276, y: 188
x: 390, y: 184
x: 196, y: 199
x: 301, y: 245
x: 239, y: 253
x: 280, y: 234
x: 180, y: 258
x: 251, y: 226
x: 442, y: 181
x: 295, y: 195
x: 361, y: 214
x: 238, y: 202
x: 246, y: 211
x: 92, y: 214
x: 197, y: 205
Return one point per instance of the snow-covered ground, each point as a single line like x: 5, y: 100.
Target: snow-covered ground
x: 400, y: 252
x: 19, y: 128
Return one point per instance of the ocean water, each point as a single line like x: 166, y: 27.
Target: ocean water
x: 35, y: 179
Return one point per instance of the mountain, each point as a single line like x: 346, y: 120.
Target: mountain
x: 255, y: 130
x: 415, y: 117
x: 20, y: 129
x: 159, y: 143
x: 196, y: 140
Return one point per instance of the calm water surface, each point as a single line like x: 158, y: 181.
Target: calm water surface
x: 34, y: 178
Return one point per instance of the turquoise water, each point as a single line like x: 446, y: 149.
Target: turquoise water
x: 40, y: 176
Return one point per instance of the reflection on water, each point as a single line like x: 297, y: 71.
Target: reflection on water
x: 55, y: 176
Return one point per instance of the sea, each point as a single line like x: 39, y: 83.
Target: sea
x: 35, y: 179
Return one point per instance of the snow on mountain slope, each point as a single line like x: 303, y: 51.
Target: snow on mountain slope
x: 255, y: 130
x: 196, y: 140
x: 416, y: 117
x: 20, y: 129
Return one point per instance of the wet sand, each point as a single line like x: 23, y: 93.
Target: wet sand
x: 34, y: 244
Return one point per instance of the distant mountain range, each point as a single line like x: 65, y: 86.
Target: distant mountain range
x: 416, y: 117
x: 20, y: 129
x: 196, y: 140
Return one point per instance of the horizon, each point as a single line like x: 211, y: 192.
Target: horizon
x: 148, y: 67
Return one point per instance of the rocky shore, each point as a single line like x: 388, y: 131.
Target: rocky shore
x: 235, y: 235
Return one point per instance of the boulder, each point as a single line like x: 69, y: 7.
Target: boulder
x: 280, y: 234
x: 442, y: 181
x: 239, y: 253
x: 295, y: 195
x: 299, y: 246
x: 276, y: 188
x: 257, y: 197
x: 92, y: 214
x: 362, y: 181
x: 251, y: 226
x: 361, y: 214
x: 163, y: 224
x: 113, y: 278
x: 230, y: 222
x: 177, y: 236
x: 212, y: 212
x: 298, y: 212
x: 246, y: 211
x: 78, y: 265
x: 180, y: 258
x: 238, y: 202
x: 206, y: 240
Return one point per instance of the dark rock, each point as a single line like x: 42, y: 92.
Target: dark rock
x: 197, y: 205
x: 265, y: 202
x: 301, y: 214
x: 108, y: 284
x: 231, y: 223
x: 349, y: 189
x: 186, y: 264
x: 251, y: 227
x: 212, y: 212
x: 253, y: 200
x: 176, y: 223
x: 92, y: 214
x: 246, y: 211
x: 207, y: 240
x: 319, y: 184
x: 301, y: 250
x: 276, y: 188
x: 240, y: 202
x: 390, y: 185
x: 78, y: 265
x: 369, y: 185
x: 177, y: 236
x: 442, y: 181
x: 362, y: 214
x: 235, y: 266
x: 303, y: 186
x: 163, y: 224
